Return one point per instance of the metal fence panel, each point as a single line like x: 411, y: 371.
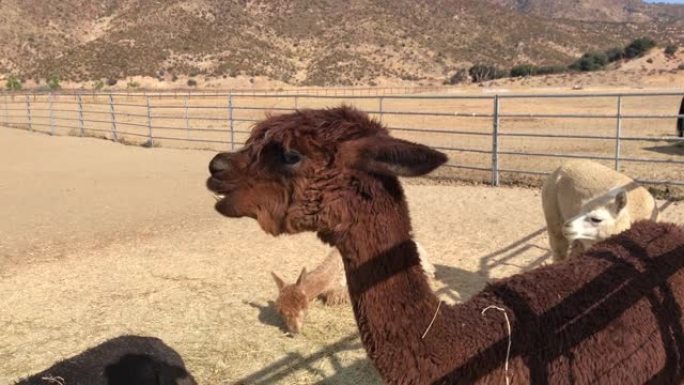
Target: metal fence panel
x: 491, y: 137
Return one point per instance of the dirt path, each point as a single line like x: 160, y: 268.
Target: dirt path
x: 98, y: 239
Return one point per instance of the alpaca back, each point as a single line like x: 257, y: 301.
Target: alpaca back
x: 326, y: 276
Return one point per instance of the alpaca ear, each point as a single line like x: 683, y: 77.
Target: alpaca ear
x: 301, y: 276
x: 621, y: 200
x: 279, y: 282
x: 390, y: 156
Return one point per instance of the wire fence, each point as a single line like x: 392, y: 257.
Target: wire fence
x: 492, y: 138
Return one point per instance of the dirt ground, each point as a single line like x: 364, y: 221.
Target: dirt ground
x: 99, y: 239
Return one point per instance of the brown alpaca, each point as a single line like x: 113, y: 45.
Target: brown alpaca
x: 326, y: 282
x: 610, y: 316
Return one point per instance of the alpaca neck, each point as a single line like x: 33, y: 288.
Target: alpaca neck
x: 392, y: 300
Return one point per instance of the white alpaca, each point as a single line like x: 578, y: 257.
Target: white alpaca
x: 585, y: 202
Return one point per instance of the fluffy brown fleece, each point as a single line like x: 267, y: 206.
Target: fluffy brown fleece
x: 611, y: 316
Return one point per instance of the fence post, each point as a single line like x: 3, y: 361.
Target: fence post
x: 495, y: 143
x: 51, y: 114
x: 28, y: 112
x: 230, y: 121
x: 380, y: 105
x: 296, y: 102
x: 149, y: 120
x: 187, y: 119
x: 618, y: 132
x: 4, y: 115
x: 81, y: 126
x: 113, y: 117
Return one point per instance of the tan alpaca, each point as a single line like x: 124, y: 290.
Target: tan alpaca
x: 326, y: 282
x: 585, y: 202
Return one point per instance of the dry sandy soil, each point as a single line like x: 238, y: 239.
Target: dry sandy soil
x: 99, y: 239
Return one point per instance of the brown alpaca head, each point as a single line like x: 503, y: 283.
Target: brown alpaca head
x: 306, y: 171
x: 292, y: 302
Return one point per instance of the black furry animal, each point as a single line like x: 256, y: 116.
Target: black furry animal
x: 125, y: 360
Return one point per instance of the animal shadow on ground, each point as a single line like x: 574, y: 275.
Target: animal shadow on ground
x: 268, y: 315
x: 359, y: 372
x: 124, y: 360
x: 674, y: 148
x: 462, y: 284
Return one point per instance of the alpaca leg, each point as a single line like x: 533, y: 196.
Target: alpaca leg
x: 335, y: 296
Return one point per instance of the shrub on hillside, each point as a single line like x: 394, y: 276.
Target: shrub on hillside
x: 192, y: 83
x: 639, y: 47
x: 13, y: 83
x: 53, y: 83
x: 482, y: 72
x: 615, y: 54
x: 111, y: 82
x: 458, y: 77
x: 522, y: 70
x: 590, y: 61
x: 551, y: 69
x: 671, y: 49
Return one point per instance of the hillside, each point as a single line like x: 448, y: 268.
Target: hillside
x: 619, y: 11
x: 298, y: 42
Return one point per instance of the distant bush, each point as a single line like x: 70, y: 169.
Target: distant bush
x: 551, y: 69
x: 132, y: 85
x: 482, y: 72
x: 98, y: 85
x: 615, y: 54
x: 458, y: 77
x: 522, y: 70
x: 681, y: 66
x: 639, y: 47
x: 13, y: 83
x: 590, y: 61
x: 53, y: 83
x: 192, y: 83
x: 671, y: 49
x: 111, y: 82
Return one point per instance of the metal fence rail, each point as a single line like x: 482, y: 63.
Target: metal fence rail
x: 486, y: 135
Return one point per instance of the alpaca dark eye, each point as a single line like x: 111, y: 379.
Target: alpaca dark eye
x: 291, y: 157
x: 595, y: 220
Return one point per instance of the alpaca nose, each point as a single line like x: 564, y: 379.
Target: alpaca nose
x: 220, y: 163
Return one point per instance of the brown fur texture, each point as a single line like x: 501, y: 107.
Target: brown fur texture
x: 611, y: 316
x: 124, y: 360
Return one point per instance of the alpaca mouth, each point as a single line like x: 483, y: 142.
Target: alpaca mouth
x: 219, y: 197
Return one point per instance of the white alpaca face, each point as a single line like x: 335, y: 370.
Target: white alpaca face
x: 598, y: 220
